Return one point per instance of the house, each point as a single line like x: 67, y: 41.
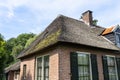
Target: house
x: 70, y: 49
x: 13, y: 71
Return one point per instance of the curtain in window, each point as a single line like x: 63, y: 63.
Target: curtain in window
x: 43, y: 68
x: 46, y: 68
x: 112, y: 68
x: 39, y: 68
x: 83, y: 66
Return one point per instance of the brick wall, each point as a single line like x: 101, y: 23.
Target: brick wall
x: 59, y: 63
x: 64, y: 55
x: 29, y: 62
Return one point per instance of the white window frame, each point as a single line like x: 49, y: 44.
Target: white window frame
x: 90, y: 67
x: 42, y: 66
x: 115, y: 64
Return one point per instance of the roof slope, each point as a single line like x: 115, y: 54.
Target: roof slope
x: 13, y: 67
x: 65, y: 29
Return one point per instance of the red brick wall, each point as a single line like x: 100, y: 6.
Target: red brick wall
x: 29, y: 62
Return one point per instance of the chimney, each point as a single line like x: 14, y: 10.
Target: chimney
x: 87, y: 17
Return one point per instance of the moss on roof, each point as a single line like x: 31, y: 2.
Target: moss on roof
x: 50, y: 39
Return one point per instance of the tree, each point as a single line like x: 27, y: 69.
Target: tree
x: 16, y: 45
x: 16, y: 50
x: 22, y: 38
x: 2, y: 56
x: 95, y: 22
x: 11, y: 48
x: 29, y: 41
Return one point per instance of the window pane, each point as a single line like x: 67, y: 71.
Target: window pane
x: 83, y: 59
x: 111, y: 61
x: 46, y: 68
x: 24, y: 71
x: 39, y: 68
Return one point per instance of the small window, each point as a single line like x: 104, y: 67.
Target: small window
x: 24, y: 71
x: 15, y: 75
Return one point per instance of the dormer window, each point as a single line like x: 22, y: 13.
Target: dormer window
x: 113, y: 34
x: 117, y: 36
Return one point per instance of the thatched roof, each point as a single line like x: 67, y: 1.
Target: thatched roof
x: 65, y: 29
x: 13, y: 67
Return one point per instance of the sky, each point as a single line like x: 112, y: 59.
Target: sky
x: 25, y: 16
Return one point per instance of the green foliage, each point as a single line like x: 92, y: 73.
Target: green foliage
x: 16, y: 50
x: 95, y: 22
x: 11, y: 48
x: 48, y: 40
x: 29, y: 41
x: 22, y: 38
x: 2, y: 54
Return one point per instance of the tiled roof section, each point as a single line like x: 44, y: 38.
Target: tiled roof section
x: 108, y: 30
x: 65, y: 29
x: 13, y: 67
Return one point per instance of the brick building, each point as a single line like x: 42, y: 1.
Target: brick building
x: 70, y: 49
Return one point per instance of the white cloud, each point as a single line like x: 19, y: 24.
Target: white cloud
x: 106, y: 11
x: 10, y: 14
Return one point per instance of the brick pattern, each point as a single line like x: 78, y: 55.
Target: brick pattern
x: 29, y: 68
x: 64, y: 57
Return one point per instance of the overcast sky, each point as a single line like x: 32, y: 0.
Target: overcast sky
x: 24, y: 16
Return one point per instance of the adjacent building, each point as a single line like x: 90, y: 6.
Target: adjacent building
x: 13, y: 71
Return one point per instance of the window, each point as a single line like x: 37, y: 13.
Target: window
x: 15, y: 74
x: 110, y: 68
x: 118, y: 39
x: 83, y: 66
x: 43, y: 68
x: 24, y: 71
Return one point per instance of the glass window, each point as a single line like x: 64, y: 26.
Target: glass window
x: 24, y: 71
x: 112, y: 69
x: 84, y: 67
x: 118, y: 39
x: 43, y: 68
